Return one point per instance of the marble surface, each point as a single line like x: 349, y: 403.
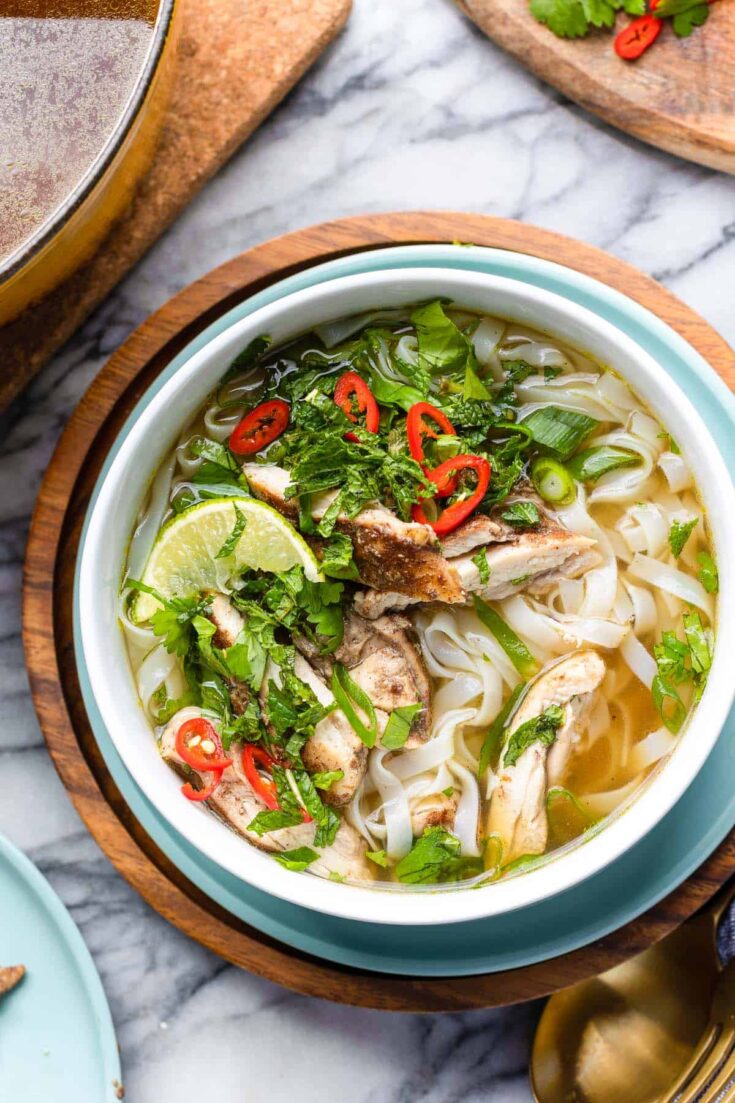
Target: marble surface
x: 411, y: 108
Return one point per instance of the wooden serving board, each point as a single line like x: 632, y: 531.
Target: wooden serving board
x: 47, y: 615
x: 237, y: 60
x: 680, y: 96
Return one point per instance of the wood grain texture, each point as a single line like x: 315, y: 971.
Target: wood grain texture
x: 47, y: 627
x: 680, y: 96
x: 237, y: 60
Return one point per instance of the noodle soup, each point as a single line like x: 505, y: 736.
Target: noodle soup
x: 419, y: 598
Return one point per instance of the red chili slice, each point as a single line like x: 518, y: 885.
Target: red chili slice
x: 417, y: 429
x: 202, y: 794
x: 458, y: 512
x: 353, y: 392
x: 199, y: 759
x: 254, y: 757
x: 635, y: 39
x: 260, y: 427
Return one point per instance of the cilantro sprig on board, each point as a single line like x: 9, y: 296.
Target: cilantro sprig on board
x: 576, y: 18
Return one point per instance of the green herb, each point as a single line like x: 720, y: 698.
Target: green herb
x: 436, y: 857
x: 483, y: 567
x: 540, y: 729
x: 296, y: 860
x: 575, y: 18
x: 593, y: 463
x: 686, y: 14
x: 522, y: 514
x: 493, y: 739
x: 348, y: 694
x: 292, y: 601
x: 520, y: 580
x: 268, y: 821
x: 378, y: 856
x: 249, y: 357
x: 679, y: 533
x: 443, y: 348
x: 551, y: 373
x: 449, y: 791
x: 233, y: 539
x: 338, y: 558
x: 173, y: 621
x: 338, y: 877
x: 707, y: 573
x: 325, y: 818
x: 398, y: 728
x: 325, y: 779
x: 473, y: 387
x: 559, y: 430
x: 681, y: 661
x: 164, y: 707
x: 514, y: 647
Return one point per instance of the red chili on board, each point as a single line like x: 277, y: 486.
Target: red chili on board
x: 254, y: 757
x: 260, y: 427
x: 459, y: 511
x: 417, y: 428
x: 635, y: 39
x: 353, y: 392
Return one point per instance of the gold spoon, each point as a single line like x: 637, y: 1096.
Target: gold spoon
x: 625, y: 1036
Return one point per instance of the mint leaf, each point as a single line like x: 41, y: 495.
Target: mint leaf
x: 398, y: 728
x: 707, y: 573
x: 522, y: 514
x: 483, y: 567
x: 541, y: 729
x: 296, y: 860
x: 679, y: 533
x: 233, y: 539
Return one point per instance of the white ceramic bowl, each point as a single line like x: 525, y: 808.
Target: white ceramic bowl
x: 152, y: 436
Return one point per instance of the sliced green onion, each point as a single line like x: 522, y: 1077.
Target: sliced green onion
x: 553, y: 481
x: 559, y: 430
x: 590, y: 465
x: 345, y: 693
x: 492, y: 855
x: 491, y: 746
x: 568, y: 818
x: 514, y: 647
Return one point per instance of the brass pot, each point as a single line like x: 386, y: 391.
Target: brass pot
x: 84, y: 86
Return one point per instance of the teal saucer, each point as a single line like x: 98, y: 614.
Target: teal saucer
x: 589, y: 911
x: 57, y: 1041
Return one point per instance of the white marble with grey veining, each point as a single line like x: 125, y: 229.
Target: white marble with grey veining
x: 411, y: 108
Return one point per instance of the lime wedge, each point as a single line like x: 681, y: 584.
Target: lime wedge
x: 184, y: 557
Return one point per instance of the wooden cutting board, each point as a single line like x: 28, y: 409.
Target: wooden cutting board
x: 680, y: 96
x: 237, y: 60
x: 47, y: 615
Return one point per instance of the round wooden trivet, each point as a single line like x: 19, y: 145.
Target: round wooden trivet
x: 47, y: 627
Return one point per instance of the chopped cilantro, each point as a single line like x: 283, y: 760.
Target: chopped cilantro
x: 679, y: 533
x: 707, y: 573
x: 378, y: 856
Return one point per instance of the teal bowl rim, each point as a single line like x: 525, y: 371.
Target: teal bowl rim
x: 354, y: 943
x: 72, y: 938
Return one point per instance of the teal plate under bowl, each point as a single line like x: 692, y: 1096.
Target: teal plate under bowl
x: 57, y: 1042
x: 580, y: 915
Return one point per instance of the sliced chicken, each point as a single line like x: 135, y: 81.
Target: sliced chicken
x: 384, y: 659
x: 474, y: 533
x: 518, y: 803
x: 237, y: 804
x: 532, y: 559
x: 389, y: 553
x: 435, y: 810
x: 228, y: 621
x: 334, y: 745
